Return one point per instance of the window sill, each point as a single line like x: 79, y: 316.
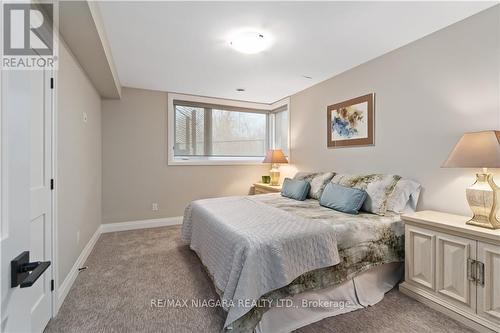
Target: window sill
x: 216, y: 161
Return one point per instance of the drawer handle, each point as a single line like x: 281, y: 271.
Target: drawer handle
x: 475, y: 271
x: 480, y: 273
x: 471, y: 272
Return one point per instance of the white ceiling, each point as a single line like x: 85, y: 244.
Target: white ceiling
x: 183, y: 46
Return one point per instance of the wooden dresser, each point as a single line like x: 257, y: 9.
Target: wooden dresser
x: 454, y: 268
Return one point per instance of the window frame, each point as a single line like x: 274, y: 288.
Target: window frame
x: 230, y: 105
x: 277, y: 108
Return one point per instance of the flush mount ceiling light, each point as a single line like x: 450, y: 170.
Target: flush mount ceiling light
x: 250, y: 42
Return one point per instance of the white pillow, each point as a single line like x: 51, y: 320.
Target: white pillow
x: 317, y: 180
x: 404, y: 198
x: 379, y: 187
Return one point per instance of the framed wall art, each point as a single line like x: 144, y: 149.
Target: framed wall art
x: 350, y: 123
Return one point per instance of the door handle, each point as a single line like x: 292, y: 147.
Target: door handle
x: 21, y: 267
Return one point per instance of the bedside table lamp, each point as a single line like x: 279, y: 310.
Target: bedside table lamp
x: 275, y: 157
x: 480, y: 150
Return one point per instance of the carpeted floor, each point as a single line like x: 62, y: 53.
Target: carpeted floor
x: 127, y: 270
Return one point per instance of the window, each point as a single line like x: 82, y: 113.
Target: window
x: 281, y: 124
x: 189, y: 131
x: 239, y: 133
x: 211, y: 132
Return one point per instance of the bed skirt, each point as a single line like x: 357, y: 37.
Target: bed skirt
x: 365, y: 289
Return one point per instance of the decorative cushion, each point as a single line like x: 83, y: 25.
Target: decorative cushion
x: 404, y: 198
x: 318, y: 181
x: 377, y: 186
x: 344, y: 199
x: 295, y: 189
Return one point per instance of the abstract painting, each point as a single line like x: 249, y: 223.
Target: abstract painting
x: 350, y: 123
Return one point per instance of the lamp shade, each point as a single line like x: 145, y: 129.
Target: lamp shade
x: 476, y: 150
x: 275, y: 156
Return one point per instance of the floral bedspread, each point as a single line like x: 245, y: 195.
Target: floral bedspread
x: 364, y: 241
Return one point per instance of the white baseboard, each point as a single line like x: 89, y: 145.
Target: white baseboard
x: 141, y: 224
x: 63, y: 289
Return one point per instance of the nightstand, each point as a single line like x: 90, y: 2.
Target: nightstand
x: 261, y: 188
x: 453, y: 267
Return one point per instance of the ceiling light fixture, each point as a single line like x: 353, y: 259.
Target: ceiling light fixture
x: 250, y: 42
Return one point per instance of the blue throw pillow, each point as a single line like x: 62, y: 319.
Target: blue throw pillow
x: 295, y: 189
x: 344, y: 199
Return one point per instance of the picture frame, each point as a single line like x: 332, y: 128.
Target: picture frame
x: 351, y: 123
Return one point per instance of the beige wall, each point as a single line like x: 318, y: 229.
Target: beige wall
x: 135, y: 170
x: 78, y: 178
x: 428, y: 94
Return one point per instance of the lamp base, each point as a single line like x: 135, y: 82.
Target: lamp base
x: 483, y: 197
x: 275, y: 175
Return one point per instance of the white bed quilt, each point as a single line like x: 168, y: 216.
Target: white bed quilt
x: 251, y: 248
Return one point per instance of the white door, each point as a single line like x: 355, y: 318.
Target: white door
x: 488, y: 300
x: 26, y: 196
x: 41, y: 200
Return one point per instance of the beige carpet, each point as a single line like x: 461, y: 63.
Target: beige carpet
x: 129, y: 269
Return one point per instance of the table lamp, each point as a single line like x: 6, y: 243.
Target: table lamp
x: 275, y: 157
x: 480, y: 150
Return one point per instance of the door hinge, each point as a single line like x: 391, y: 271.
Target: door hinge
x: 52, y: 285
x: 52, y: 184
x: 51, y: 83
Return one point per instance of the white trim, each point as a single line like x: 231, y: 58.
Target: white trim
x: 140, y: 224
x: 55, y: 227
x: 220, y: 101
x: 50, y: 100
x: 55, y: 74
x: 217, y: 161
x: 171, y: 160
x: 274, y: 106
x: 280, y: 103
x: 64, y: 288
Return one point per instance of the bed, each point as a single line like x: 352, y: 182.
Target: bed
x: 272, y: 259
